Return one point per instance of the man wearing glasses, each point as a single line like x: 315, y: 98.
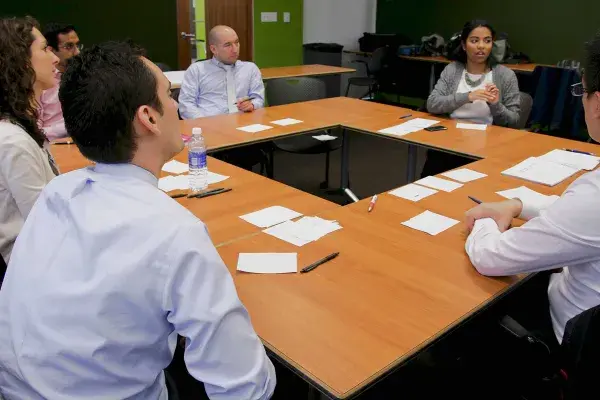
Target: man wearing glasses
x: 63, y: 41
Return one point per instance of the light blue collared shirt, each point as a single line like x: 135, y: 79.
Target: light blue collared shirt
x: 204, y: 88
x: 105, y: 272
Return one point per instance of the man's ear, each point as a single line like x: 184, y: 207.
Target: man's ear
x: 148, y: 118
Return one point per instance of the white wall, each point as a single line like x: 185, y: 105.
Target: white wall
x: 338, y: 21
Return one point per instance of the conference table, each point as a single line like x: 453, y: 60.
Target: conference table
x: 392, y: 291
x: 176, y: 77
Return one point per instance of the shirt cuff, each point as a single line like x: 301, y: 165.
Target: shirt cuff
x: 481, y: 228
x: 533, y: 206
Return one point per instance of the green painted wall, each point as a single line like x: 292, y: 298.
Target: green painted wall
x: 200, y: 29
x: 546, y: 30
x: 150, y: 23
x: 278, y: 44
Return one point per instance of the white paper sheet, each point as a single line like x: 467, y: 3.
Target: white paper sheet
x: 254, y: 128
x: 286, y: 122
x: 213, y: 177
x: 464, y: 175
x: 571, y: 159
x: 268, y: 263
x: 413, y: 125
x: 169, y: 183
x: 525, y: 194
x: 270, y: 216
x: 413, y: 192
x: 175, y: 77
x: 439, y: 183
x: 476, y: 127
x: 175, y: 167
x: 430, y: 223
x: 303, y: 231
x: 539, y: 171
x: 324, y: 138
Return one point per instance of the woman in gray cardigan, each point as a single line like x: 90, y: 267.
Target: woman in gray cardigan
x: 473, y: 89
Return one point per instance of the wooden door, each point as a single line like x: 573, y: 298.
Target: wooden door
x: 238, y: 15
x: 184, y: 34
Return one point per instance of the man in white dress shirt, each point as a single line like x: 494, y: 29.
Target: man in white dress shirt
x: 562, y: 233
x: 222, y: 84
x: 108, y: 269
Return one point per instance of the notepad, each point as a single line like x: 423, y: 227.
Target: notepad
x: 430, y: 223
x: 525, y: 194
x: 571, y: 159
x: 476, y: 127
x: 413, y: 192
x: 254, y: 128
x: 270, y: 216
x: 286, y: 122
x: 175, y: 167
x: 324, y: 138
x: 268, y: 263
x: 536, y: 170
x: 464, y: 175
x: 413, y: 125
x: 303, y: 231
x: 439, y: 183
x: 169, y: 183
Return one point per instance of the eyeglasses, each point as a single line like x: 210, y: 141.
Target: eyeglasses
x: 578, y: 90
x: 71, y: 46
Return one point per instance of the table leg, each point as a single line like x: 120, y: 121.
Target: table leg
x: 411, y: 165
x: 345, y: 169
x: 314, y: 394
x: 432, y: 77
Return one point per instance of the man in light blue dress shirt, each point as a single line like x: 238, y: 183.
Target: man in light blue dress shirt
x: 108, y: 269
x: 222, y: 84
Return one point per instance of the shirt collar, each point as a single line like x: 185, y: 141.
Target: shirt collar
x: 221, y: 65
x: 126, y: 170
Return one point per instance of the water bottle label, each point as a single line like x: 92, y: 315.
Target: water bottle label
x: 197, y: 159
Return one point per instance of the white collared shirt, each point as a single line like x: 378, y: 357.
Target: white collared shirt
x: 562, y: 233
x: 105, y: 273
x: 204, y: 88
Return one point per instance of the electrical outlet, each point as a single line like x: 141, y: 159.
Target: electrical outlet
x: 286, y: 17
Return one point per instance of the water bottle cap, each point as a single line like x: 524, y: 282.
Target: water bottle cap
x: 196, y: 131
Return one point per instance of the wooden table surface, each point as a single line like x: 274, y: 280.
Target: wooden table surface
x: 526, y: 68
x: 392, y: 290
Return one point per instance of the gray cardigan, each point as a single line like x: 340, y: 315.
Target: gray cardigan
x: 444, y: 99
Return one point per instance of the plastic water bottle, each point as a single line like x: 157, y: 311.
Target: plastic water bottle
x: 197, y: 162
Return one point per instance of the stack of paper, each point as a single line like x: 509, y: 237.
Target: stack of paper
x: 570, y: 159
x: 413, y: 125
x: 430, y: 222
x: 254, y: 128
x: 539, y: 171
x: 303, y: 231
x: 476, y: 127
x: 175, y: 167
x: 268, y: 263
x: 439, y: 183
x: 286, y: 121
x: 525, y: 194
x: 171, y: 182
x: 413, y: 192
x: 270, y: 216
x: 464, y: 175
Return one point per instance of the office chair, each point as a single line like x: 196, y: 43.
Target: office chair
x: 2, y: 269
x: 286, y: 91
x: 525, y: 109
x: 373, y: 67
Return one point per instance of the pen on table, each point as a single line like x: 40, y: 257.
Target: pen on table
x: 317, y: 263
x: 176, y: 196
x: 475, y: 199
x: 372, y: 203
x: 579, y: 152
x: 405, y: 116
x: 209, y: 193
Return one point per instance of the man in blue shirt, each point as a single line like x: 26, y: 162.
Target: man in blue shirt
x: 222, y: 84
x: 108, y: 269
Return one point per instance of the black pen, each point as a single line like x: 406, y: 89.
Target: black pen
x: 67, y: 142
x: 321, y: 261
x: 579, y: 152
x: 176, y: 196
x: 475, y: 200
x: 405, y: 116
x: 209, y: 193
x: 243, y: 100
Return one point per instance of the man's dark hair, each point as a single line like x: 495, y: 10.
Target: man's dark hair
x: 469, y: 27
x: 100, y: 93
x: 591, y: 65
x: 53, y: 29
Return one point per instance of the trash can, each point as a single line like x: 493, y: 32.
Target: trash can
x: 326, y: 54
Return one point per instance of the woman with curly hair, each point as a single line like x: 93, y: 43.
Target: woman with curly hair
x: 26, y: 69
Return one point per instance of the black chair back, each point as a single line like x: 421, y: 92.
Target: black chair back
x: 2, y: 269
